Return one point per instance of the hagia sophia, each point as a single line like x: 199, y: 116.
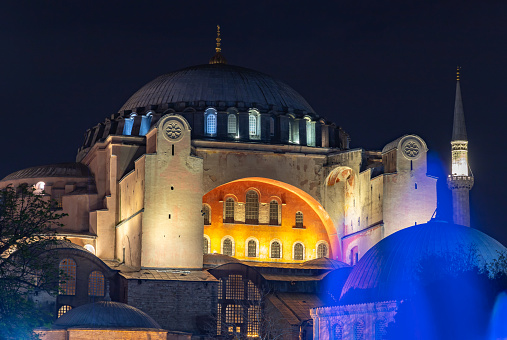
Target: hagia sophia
x: 217, y: 202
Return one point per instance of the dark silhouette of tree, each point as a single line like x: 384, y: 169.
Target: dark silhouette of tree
x: 28, y: 225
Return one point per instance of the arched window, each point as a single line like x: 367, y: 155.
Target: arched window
x: 96, y: 284
x: 206, y: 214
x: 129, y: 123
x: 310, y: 132
x: 63, y: 309
x: 380, y: 329
x: 252, y: 207
x: 299, y: 254
x: 229, y: 210
x: 290, y: 131
x: 252, y: 248
x: 254, y: 124
x: 145, y: 124
x: 358, y: 331
x: 276, y: 250
x: 227, y: 247
x: 210, y: 122
x: 299, y: 219
x: 68, y: 279
x: 205, y: 248
x: 271, y: 126
x: 354, y: 256
x: 232, y: 124
x: 338, y: 332
x: 322, y: 250
x: 273, y: 212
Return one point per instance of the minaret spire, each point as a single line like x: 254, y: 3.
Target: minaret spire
x: 218, y: 58
x: 460, y: 181
x: 459, y: 131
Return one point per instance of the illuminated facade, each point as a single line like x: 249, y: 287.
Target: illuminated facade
x: 220, y: 159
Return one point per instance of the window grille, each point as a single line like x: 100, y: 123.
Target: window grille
x: 229, y: 210
x: 252, y: 248
x: 219, y: 319
x: 321, y: 250
x: 96, y: 284
x: 211, y: 122
x: 220, y: 287
x: 252, y: 208
x: 252, y: 125
x: 227, y: 247
x: 298, y: 252
x: 273, y: 212
x: 234, y: 314
x: 68, y: 280
x: 358, y: 331
x: 235, y: 288
x: 231, y: 124
x: 275, y: 250
x: 206, y: 214
x: 63, y: 309
x: 299, y: 219
x: 253, y: 292
x: 380, y: 329
x: 254, y: 317
x: 338, y: 332
x: 205, y: 248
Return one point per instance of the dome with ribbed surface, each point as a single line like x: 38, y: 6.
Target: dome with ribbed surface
x: 215, y: 83
x: 389, y: 270
x: 52, y: 170
x: 106, y: 314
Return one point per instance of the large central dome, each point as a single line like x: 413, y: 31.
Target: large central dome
x: 214, y: 83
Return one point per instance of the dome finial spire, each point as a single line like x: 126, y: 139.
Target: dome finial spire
x: 218, y: 49
x: 218, y: 58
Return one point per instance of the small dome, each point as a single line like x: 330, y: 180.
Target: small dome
x: 324, y: 263
x: 106, y: 314
x: 215, y: 83
x: 388, y: 271
x: 52, y: 170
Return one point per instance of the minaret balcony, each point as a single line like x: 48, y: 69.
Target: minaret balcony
x: 460, y: 182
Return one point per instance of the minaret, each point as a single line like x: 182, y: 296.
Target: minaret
x: 460, y: 181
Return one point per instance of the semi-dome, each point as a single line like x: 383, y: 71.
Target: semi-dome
x: 218, y: 83
x: 106, y: 314
x: 52, y: 170
x: 389, y: 270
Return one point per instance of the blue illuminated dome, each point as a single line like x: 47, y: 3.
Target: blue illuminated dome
x: 390, y: 269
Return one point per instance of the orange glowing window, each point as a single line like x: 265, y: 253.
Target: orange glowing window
x: 252, y: 208
x: 68, y: 278
x: 96, y: 284
x: 234, y: 314
x: 227, y: 247
x: 229, y: 210
x: 299, y: 252
x: 252, y: 248
x: 235, y: 288
x: 253, y: 292
x: 299, y: 219
x: 322, y: 250
x: 273, y: 212
x: 254, y: 317
x: 63, y: 309
x: 206, y: 214
x: 276, y: 250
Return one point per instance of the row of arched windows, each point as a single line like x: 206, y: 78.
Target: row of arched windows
x: 254, y: 126
x: 251, y: 211
x: 145, y: 124
x: 358, y: 332
x: 68, y: 280
x: 275, y: 248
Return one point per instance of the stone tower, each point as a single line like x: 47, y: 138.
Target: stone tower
x: 461, y: 180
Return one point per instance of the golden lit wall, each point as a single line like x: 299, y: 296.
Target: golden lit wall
x: 316, y: 222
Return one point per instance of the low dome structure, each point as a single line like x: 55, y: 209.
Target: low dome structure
x: 214, y: 83
x: 324, y: 263
x: 390, y: 269
x: 106, y: 314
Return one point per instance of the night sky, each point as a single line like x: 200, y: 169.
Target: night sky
x: 379, y: 69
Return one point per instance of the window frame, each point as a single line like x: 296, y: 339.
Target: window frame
x: 210, y: 122
x: 302, y: 251
x: 252, y: 208
x: 280, y: 251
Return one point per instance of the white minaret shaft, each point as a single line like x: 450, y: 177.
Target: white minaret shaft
x: 460, y: 181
